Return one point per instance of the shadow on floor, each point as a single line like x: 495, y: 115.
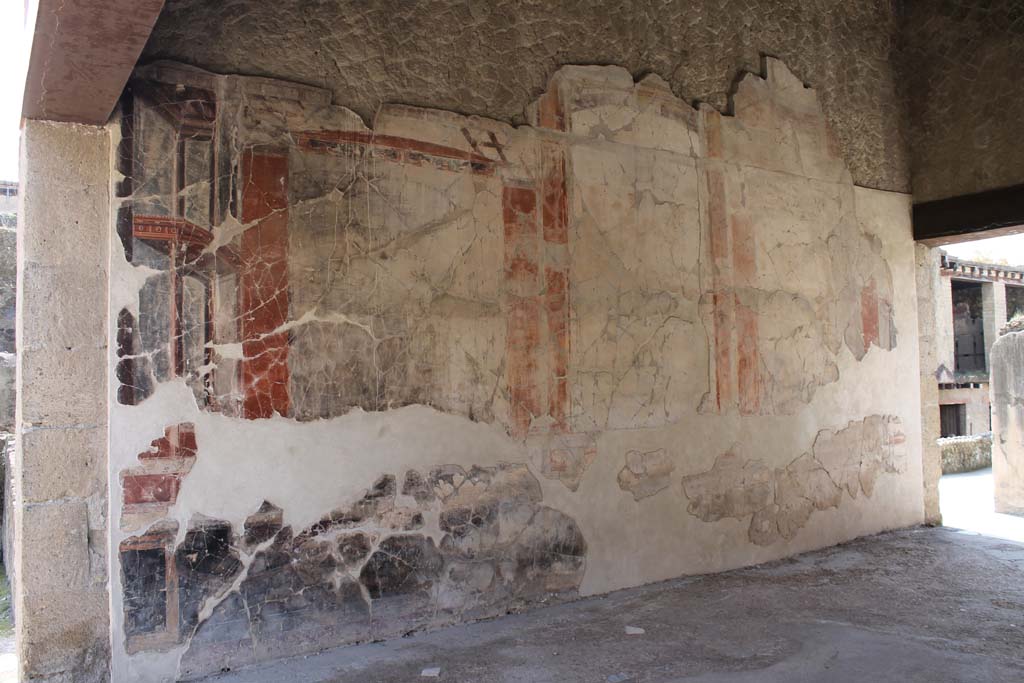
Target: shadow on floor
x: 913, y: 605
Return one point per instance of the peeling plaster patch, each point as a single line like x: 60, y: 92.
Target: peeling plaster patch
x: 646, y: 474
x: 780, y: 501
x: 133, y: 370
x: 563, y: 457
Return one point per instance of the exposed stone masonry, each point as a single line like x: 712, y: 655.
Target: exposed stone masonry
x: 369, y: 570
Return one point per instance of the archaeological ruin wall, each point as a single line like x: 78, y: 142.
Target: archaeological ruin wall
x: 1007, y: 391
x: 370, y: 380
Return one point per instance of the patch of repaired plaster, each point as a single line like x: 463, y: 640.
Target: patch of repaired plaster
x: 779, y: 501
x: 646, y: 474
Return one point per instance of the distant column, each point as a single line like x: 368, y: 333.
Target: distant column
x: 945, y: 346
x: 993, y: 311
x: 930, y: 302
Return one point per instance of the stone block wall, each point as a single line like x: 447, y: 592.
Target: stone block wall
x: 373, y: 380
x: 61, y: 602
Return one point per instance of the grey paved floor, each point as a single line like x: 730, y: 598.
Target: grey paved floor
x: 914, y: 605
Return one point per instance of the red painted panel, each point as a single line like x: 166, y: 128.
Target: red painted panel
x: 178, y: 441
x: 151, y: 488
x: 744, y: 259
x: 869, y: 313
x: 263, y: 284
x: 523, y: 340
x: 556, y: 304
x: 724, y: 318
x: 748, y: 365
x: 555, y: 221
x: 523, y: 312
x: 713, y: 134
x: 556, y: 204
x: 549, y: 110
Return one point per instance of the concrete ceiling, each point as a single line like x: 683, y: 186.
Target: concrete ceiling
x: 82, y: 54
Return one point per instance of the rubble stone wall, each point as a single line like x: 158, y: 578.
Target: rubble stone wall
x: 966, y: 453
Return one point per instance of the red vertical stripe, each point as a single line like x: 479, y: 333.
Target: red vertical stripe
x: 555, y: 219
x: 263, y: 284
x: 869, y: 313
x: 723, y: 300
x: 519, y: 207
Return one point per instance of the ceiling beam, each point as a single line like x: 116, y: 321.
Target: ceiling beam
x: 970, y: 217
x: 82, y: 54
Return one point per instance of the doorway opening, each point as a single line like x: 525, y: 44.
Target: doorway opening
x: 979, y: 295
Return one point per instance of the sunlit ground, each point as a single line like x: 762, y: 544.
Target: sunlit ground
x: 967, y: 503
x: 8, y: 657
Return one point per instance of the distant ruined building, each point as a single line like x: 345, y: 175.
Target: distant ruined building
x: 975, y: 301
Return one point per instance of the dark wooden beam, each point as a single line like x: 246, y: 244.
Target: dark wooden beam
x: 82, y: 54
x: 970, y: 217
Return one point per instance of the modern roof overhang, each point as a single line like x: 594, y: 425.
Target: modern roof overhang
x: 81, y: 55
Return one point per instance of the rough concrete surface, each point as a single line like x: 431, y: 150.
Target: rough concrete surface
x: 913, y: 605
x: 494, y: 58
x: 961, y: 66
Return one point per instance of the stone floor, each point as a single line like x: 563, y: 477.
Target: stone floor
x: 913, y: 605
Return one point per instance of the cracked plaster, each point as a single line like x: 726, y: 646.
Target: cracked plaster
x: 322, y: 305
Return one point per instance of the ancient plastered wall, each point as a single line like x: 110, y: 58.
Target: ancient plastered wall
x: 370, y: 381
x: 1007, y: 388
